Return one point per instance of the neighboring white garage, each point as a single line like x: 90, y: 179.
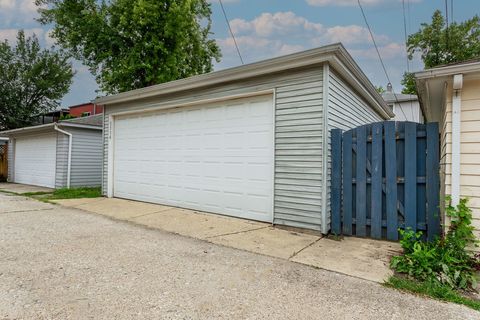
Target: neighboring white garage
x: 250, y: 142
x: 57, y: 155
x: 36, y: 159
x: 215, y: 157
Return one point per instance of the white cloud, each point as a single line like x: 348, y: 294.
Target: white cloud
x: 389, y: 51
x: 280, y: 23
x: 7, y: 4
x: 11, y: 34
x: 343, y: 3
x: 349, y: 3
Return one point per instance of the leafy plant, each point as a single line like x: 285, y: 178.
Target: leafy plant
x: 447, y: 261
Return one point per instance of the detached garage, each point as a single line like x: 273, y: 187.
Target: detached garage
x: 57, y: 155
x: 250, y: 142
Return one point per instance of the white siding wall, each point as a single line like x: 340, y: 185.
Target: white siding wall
x: 469, y: 148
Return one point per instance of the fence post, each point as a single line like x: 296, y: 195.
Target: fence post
x: 336, y: 176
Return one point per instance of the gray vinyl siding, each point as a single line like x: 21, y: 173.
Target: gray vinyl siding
x: 62, y: 161
x: 87, y: 158
x: 346, y: 110
x: 298, y: 153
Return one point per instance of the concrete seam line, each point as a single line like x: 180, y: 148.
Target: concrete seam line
x: 307, y: 246
x: 236, y: 232
x: 147, y: 214
x: 22, y: 211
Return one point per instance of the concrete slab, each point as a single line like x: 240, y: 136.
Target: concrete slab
x: 75, y: 202
x: 268, y: 241
x: 119, y: 208
x: 8, y: 205
x: 196, y: 224
x: 22, y: 188
x: 363, y: 258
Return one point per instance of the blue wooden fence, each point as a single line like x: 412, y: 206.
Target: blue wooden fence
x: 385, y: 176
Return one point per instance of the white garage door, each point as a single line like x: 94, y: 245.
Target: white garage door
x: 214, y: 158
x: 35, y: 158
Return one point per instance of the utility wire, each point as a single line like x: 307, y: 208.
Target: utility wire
x: 231, y: 32
x: 406, y: 50
x: 379, y: 56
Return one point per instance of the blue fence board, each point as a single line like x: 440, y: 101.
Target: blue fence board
x: 361, y: 183
x: 433, y: 181
x: 336, y: 183
x: 410, y: 184
x: 385, y: 176
x: 391, y: 181
x: 347, y: 201
x: 376, y: 181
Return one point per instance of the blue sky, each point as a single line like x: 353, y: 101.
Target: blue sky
x: 268, y: 28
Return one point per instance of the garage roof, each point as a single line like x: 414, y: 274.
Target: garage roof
x: 336, y: 55
x: 92, y: 122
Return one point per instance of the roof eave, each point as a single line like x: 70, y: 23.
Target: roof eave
x: 317, y: 56
x: 41, y: 127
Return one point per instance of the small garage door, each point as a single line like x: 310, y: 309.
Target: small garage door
x: 214, y: 158
x: 35, y: 160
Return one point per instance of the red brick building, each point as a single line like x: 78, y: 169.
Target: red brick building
x: 85, y: 109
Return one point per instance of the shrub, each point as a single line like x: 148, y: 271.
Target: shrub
x: 446, y: 260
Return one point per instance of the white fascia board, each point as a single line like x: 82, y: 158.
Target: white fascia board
x: 26, y: 129
x: 78, y: 125
x: 464, y: 68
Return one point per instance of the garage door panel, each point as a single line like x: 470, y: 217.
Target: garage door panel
x: 35, y: 160
x: 216, y: 158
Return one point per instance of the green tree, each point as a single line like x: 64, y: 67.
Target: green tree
x: 438, y: 44
x: 130, y: 44
x: 32, y: 81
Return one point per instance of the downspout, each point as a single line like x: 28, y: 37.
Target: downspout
x: 69, y: 163
x: 456, y: 132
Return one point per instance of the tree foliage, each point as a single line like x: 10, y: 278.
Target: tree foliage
x: 129, y: 44
x: 32, y: 81
x: 438, y: 44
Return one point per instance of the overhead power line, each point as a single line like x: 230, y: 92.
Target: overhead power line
x: 231, y: 32
x: 380, y: 56
x: 406, y: 50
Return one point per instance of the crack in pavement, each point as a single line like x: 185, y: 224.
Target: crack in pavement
x: 236, y: 232
x: 307, y: 246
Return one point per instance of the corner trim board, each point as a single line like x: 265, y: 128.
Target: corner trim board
x: 324, y: 214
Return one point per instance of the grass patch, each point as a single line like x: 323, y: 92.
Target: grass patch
x: 433, y: 289
x: 75, y: 193
x: 64, y: 193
